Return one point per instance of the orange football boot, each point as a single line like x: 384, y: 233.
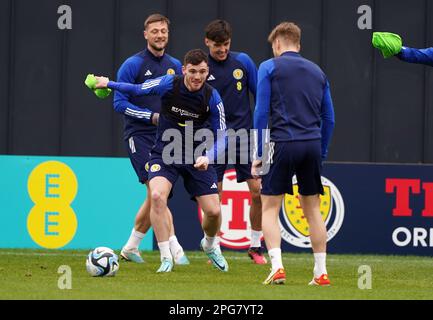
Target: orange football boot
x: 323, y: 280
x: 277, y: 277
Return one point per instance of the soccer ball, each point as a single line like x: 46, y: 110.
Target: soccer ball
x: 102, y: 262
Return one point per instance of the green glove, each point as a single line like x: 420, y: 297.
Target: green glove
x: 388, y: 43
x: 91, y: 84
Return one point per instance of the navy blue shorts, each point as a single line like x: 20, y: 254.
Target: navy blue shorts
x: 197, y: 183
x: 243, y: 171
x: 139, y: 148
x: 302, y: 158
x: 242, y: 164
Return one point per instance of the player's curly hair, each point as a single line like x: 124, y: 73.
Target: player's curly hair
x: 219, y: 31
x: 289, y: 31
x: 195, y: 57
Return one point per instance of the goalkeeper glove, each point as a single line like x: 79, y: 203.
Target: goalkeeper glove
x: 388, y: 43
x: 91, y: 84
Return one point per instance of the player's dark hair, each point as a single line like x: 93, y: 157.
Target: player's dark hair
x: 289, y: 31
x: 219, y: 31
x: 195, y: 57
x: 156, y: 17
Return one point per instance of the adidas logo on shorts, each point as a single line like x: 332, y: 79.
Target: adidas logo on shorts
x: 214, y: 186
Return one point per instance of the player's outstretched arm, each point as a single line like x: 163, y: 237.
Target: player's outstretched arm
x: 158, y: 86
x: 390, y: 44
x: 419, y: 56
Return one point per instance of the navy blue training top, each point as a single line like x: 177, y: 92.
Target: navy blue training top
x: 235, y: 78
x: 294, y: 93
x: 138, y: 111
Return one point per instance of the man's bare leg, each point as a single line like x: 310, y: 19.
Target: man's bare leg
x: 211, y: 225
x: 271, y: 206
x: 160, y: 189
x: 255, y: 251
x: 142, y: 225
x: 318, y: 236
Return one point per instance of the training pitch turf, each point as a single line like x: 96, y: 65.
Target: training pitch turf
x: 33, y: 274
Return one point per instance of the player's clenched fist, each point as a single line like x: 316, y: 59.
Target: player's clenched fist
x: 201, y: 163
x: 102, y: 82
x: 256, y: 167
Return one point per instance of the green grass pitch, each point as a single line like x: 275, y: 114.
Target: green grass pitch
x: 33, y: 274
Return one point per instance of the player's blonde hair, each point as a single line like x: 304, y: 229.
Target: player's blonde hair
x: 156, y: 17
x: 288, y: 31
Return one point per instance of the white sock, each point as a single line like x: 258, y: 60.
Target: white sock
x: 134, y: 240
x: 320, y: 264
x: 164, y: 248
x: 210, y: 242
x: 255, y: 238
x: 276, y: 260
x: 175, y: 248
